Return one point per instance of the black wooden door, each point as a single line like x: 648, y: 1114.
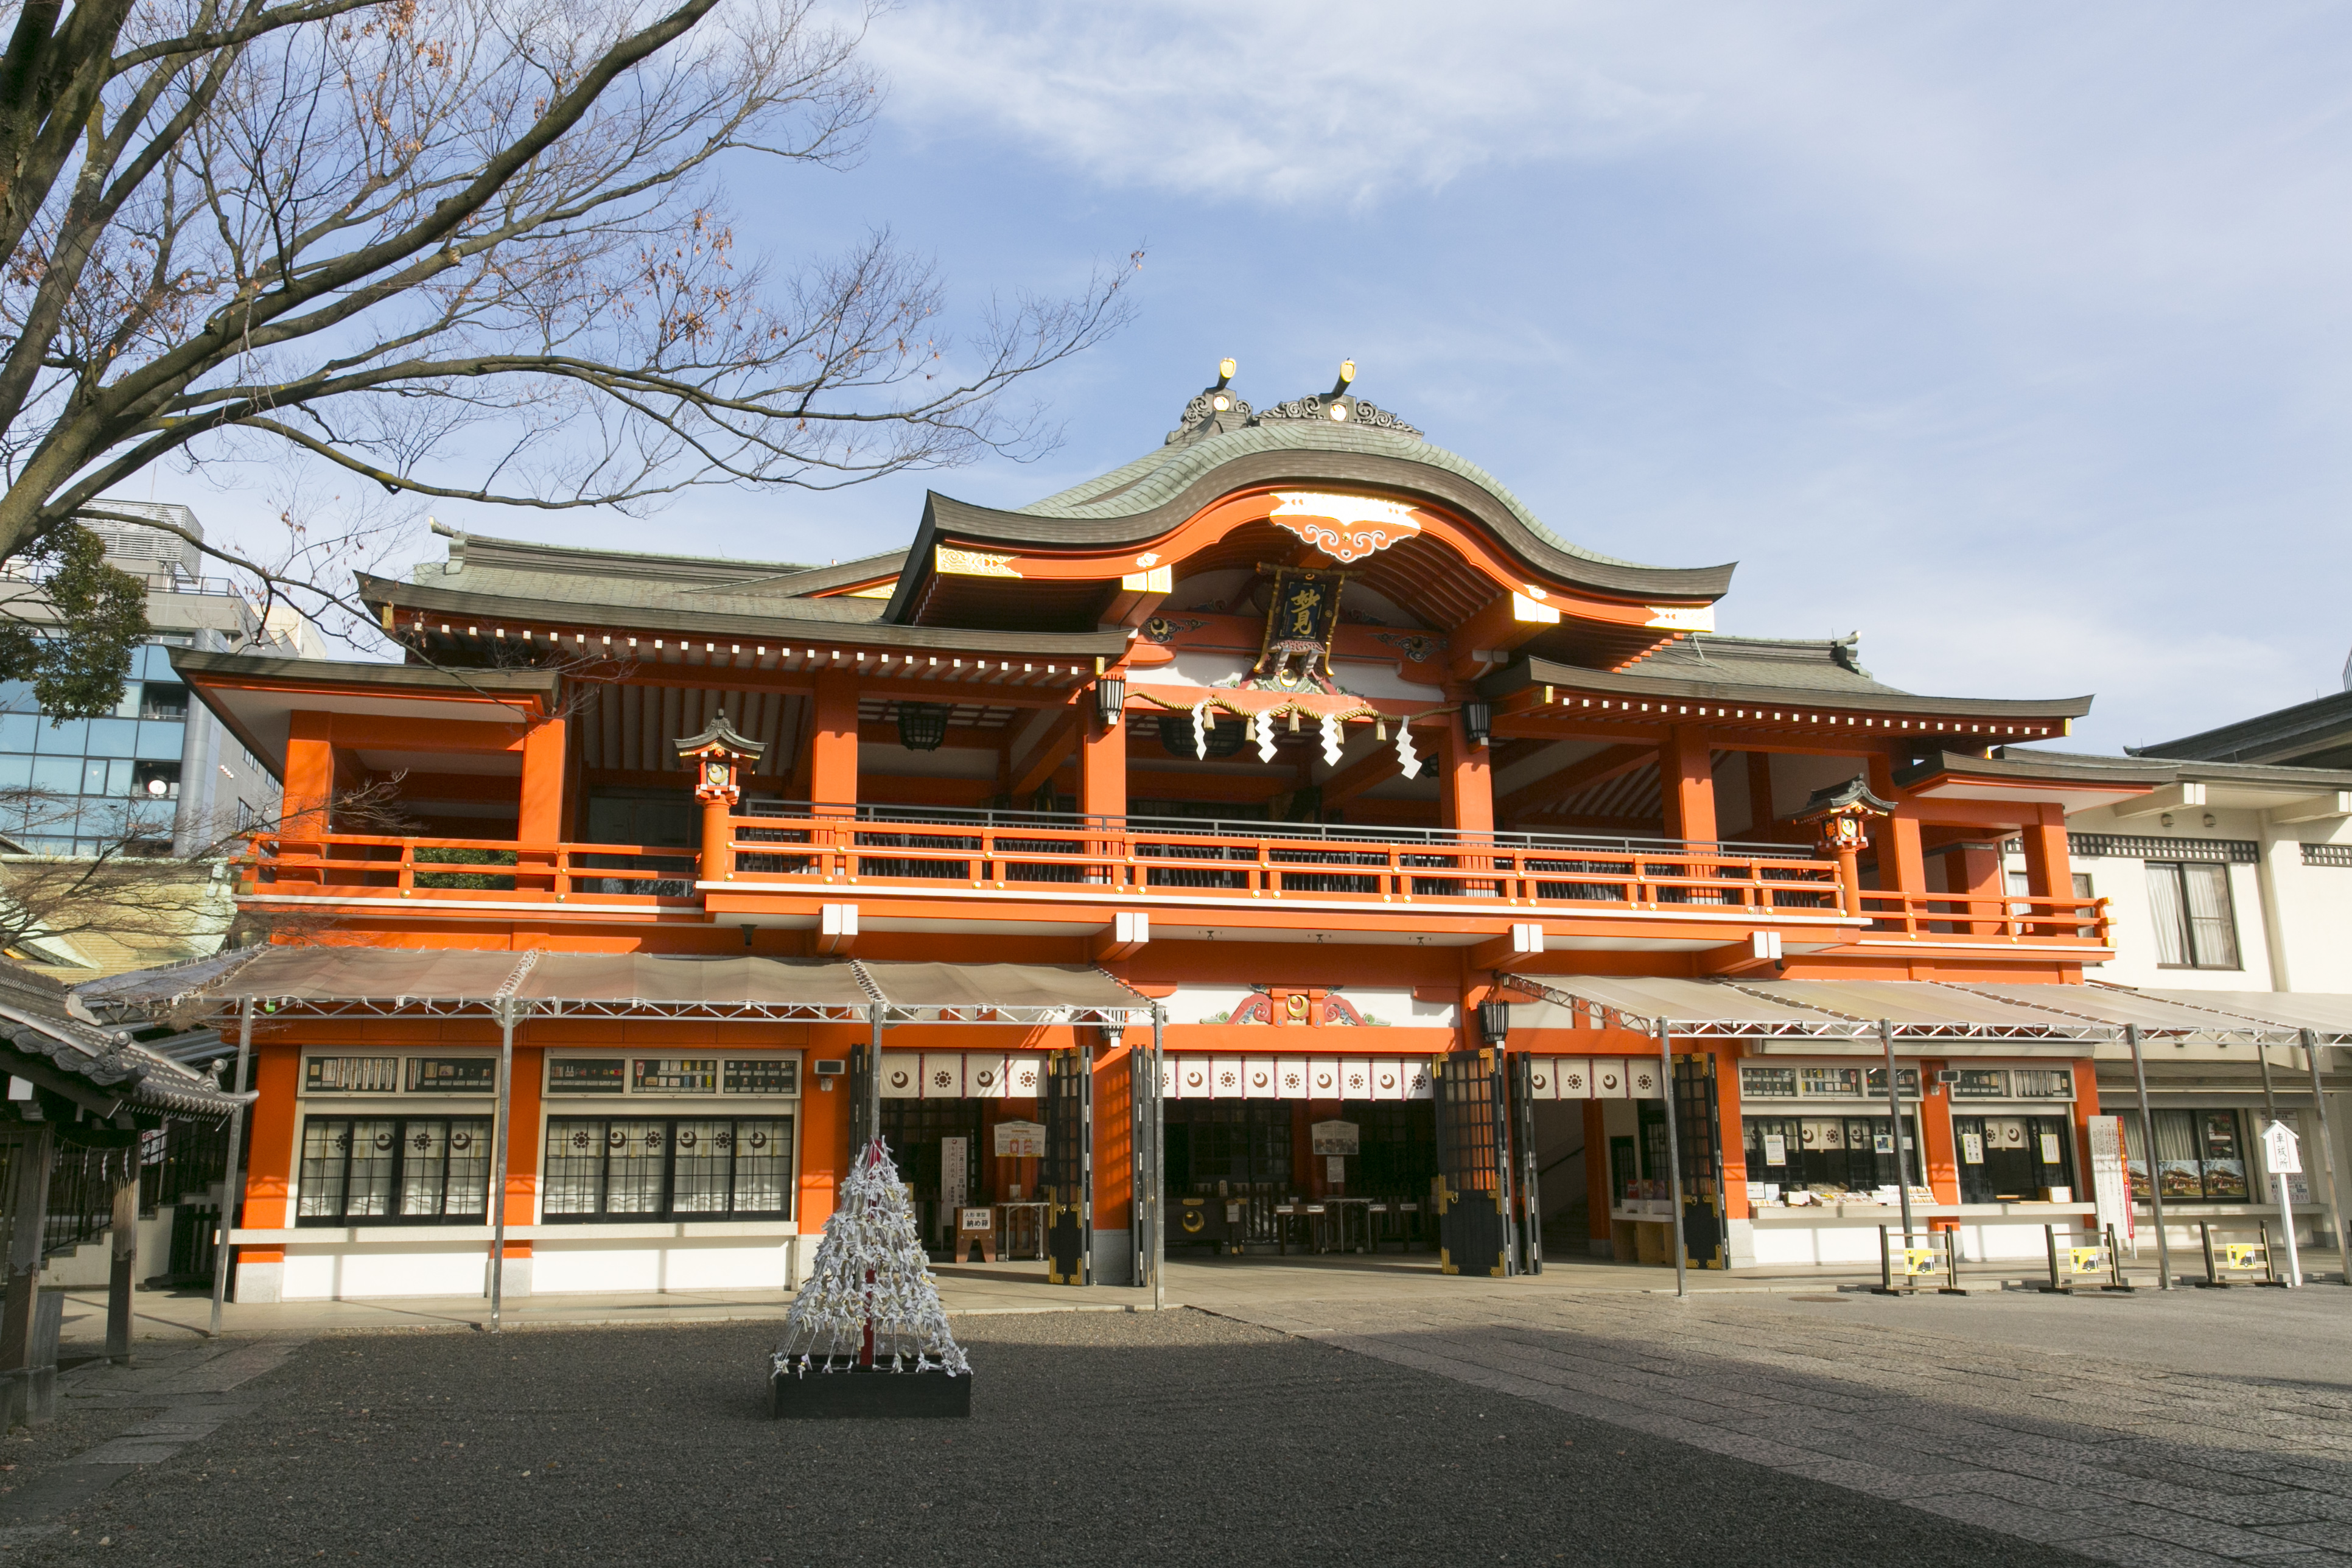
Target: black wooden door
x: 1068, y: 1167
x: 1698, y: 1134
x: 1474, y: 1229
x: 1523, y: 1123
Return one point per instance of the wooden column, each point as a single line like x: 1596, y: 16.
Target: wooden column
x: 1760, y: 814
x: 1973, y: 871
x: 27, y: 1216
x: 309, y: 771
x: 1901, y: 867
x: 1596, y: 1176
x: 539, y: 815
x: 123, y: 1264
x: 1102, y: 766
x: 833, y: 740
x: 2049, y: 867
x: 1686, y: 784
x: 1464, y: 782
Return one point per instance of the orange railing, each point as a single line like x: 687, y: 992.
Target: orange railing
x: 375, y: 865
x: 1112, y: 858
x: 2005, y: 917
x: 1122, y: 856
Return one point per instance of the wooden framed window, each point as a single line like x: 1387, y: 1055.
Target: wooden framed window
x: 618, y: 1168
x: 2189, y: 904
x: 395, y: 1170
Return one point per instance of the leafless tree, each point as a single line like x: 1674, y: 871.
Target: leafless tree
x: 124, y: 881
x: 465, y: 248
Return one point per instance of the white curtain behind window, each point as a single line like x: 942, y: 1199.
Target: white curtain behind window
x: 2214, y: 935
x: 2167, y: 912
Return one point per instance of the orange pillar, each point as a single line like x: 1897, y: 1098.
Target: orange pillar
x: 2049, y: 868
x: 833, y: 740
x: 1686, y: 784
x: 1731, y: 1128
x: 1102, y: 765
x: 1939, y: 1149
x: 1114, y: 1150
x: 823, y: 1129
x: 539, y: 817
x: 309, y: 772
x: 1760, y: 814
x: 1973, y: 871
x: 1466, y: 786
x: 269, y: 1174
x: 1902, y: 866
x: 523, y: 1144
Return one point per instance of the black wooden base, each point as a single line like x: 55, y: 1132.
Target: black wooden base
x: 859, y: 1393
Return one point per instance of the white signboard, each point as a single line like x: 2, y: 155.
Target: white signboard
x: 1335, y: 1170
x: 955, y: 1161
x: 1336, y: 1138
x: 1020, y: 1140
x: 2280, y: 1149
x: 2110, y: 1187
x: 1776, y: 1149
x: 1972, y: 1148
x: 2050, y: 1152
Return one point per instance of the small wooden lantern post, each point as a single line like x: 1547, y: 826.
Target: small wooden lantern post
x: 719, y: 758
x: 1840, y: 817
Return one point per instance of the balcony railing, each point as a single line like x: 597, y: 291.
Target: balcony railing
x: 1124, y: 856
x: 2006, y: 917
x: 905, y: 850
x: 322, y: 864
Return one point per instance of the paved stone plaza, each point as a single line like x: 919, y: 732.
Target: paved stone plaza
x: 1324, y: 1412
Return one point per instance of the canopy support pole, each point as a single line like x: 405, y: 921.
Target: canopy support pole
x: 503, y: 1133
x: 2327, y: 1152
x: 1895, y: 1124
x: 2155, y: 1173
x: 872, y: 1129
x: 228, y: 1182
x: 1673, y: 1152
x: 1160, y: 1163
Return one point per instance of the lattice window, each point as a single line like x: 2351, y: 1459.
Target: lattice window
x: 2338, y: 855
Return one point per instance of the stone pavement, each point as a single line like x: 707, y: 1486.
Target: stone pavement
x: 2140, y: 1453
x: 2184, y: 1427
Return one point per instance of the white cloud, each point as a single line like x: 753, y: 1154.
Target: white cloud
x: 1225, y: 98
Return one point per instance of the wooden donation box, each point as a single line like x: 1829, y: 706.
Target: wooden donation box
x: 975, y: 1223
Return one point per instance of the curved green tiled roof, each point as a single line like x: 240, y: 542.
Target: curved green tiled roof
x: 1162, y: 475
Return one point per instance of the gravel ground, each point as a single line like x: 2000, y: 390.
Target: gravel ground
x: 1094, y: 1436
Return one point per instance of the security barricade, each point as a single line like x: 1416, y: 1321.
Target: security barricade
x: 2242, y: 1258
x: 1907, y: 1264
x: 2074, y: 1266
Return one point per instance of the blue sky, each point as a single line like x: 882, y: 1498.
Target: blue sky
x: 2014, y: 338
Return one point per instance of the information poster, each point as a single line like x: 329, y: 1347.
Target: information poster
x: 2110, y: 1192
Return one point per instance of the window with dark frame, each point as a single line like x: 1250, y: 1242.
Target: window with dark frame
x: 2201, y: 1156
x: 395, y: 1170
x: 655, y: 1168
x: 2188, y: 905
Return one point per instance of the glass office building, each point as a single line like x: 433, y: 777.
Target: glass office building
x: 73, y: 786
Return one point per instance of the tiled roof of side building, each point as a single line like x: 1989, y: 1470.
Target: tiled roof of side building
x: 2143, y: 766
x: 519, y: 569
x: 1785, y: 676
x: 2315, y: 733
x: 1800, y: 664
x: 846, y: 620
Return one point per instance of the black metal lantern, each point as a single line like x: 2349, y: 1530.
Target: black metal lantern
x: 922, y: 725
x: 1477, y: 720
x: 1110, y: 698
x: 1494, y: 1022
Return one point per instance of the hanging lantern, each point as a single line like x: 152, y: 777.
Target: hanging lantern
x: 922, y: 725
x: 1494, y: 1022
x: 1477, y: 720
x: 1110, y: 698
x: 1840, y: 817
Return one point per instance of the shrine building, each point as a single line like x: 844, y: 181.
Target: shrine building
x: 1288, y: 810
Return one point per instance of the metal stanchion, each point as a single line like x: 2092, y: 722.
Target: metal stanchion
x: 2155, y: 1174
x: 1894, y: 1122
x: 2327, y: 1152
x: 1674, y: 1150
x: 501, y: 1133
x: 235, y: 1149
